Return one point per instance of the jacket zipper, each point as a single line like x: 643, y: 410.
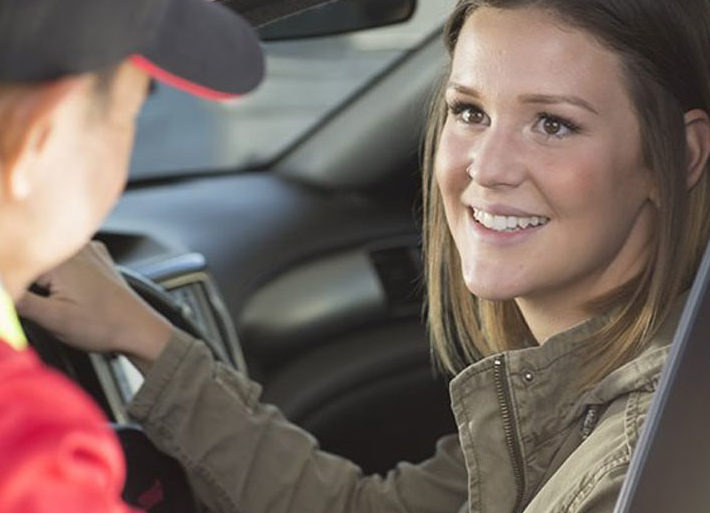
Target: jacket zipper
x: 506, y: 410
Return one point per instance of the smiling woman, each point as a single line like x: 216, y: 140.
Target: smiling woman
x: 549, y: 138
x: 516, y: 151
x: 566, y: 199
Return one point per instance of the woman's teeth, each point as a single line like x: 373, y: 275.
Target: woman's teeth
x: 507, y: 223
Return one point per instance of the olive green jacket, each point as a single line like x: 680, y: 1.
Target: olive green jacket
x: 528, y: 440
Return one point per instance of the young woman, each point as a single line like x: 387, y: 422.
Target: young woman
x: 566, y: 207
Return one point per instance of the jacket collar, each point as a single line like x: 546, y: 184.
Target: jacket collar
x: 643, y: 372
x: 551, y: 366
x: 544, y: 404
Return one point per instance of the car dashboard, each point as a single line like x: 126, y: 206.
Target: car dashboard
x: 182, y: 288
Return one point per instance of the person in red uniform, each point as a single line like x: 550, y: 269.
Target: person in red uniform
x: 73, y: 76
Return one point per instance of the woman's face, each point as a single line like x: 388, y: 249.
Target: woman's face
x: 540, y: 165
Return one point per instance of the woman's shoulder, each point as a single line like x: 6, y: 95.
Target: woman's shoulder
x: 590, y: 479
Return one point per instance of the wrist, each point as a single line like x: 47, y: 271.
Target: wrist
x: 147, y: 340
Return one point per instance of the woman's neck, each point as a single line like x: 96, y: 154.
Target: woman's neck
x: 546, y: 320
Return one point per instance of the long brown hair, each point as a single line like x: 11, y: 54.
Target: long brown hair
x: 664, y: 47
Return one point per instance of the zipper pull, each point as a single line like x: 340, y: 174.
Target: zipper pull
x: 591, y: 418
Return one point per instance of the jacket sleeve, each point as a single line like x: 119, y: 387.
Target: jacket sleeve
x: 245, y: 457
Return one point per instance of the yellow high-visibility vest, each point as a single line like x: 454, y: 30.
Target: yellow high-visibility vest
x: 10, y: 329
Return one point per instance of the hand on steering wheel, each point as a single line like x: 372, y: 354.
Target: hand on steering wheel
x: 88, y: 301
x: 90, y: 306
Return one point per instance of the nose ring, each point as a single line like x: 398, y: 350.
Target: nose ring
x: 470, y: 171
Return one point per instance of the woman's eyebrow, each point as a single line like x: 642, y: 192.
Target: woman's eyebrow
x: 463, y: 89
x: 551, y: 99
x: 545, y: 99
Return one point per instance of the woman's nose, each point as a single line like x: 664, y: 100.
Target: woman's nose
x: 496, y: 159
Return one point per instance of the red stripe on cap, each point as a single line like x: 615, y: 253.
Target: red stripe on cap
x: 179, y: 82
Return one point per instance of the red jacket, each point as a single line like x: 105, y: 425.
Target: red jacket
x: 57, y: 451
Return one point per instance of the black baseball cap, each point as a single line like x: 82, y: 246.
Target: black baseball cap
x: 196, y: 45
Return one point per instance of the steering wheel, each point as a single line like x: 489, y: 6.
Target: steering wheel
x: 155, y: 482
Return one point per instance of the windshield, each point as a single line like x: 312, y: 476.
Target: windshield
x: 305, y: 80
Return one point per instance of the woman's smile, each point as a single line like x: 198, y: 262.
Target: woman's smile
x: 540, y: 165
x: 503, y: 230
x: 507, y: 223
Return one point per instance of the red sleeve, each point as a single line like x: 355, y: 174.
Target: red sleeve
x: 58, y: 454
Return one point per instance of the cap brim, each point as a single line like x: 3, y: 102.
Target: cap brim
x: 205, y: 49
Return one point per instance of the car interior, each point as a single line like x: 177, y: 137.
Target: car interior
x: 299, y: 262
x: 303, y: 270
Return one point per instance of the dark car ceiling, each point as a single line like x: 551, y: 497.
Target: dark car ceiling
x: 261, y: 12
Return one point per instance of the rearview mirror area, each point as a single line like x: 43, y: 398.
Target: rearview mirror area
x: 338, y: 17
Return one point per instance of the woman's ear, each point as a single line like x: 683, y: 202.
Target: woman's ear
x: 697, y: 134
x: 28, y: 116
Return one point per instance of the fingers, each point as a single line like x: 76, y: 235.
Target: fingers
x: 98, y: 257
x: 100, y: 248
x: 91, y: 307
x: 98, y: 251
x: 43, y: 311
x: 48, y: 279
x: 44, y: 280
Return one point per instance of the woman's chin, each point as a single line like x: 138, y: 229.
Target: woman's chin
x: 492, y: 291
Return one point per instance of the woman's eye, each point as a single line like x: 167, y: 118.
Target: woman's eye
x: 468, y: 114
x: 554, y: 126
x: 472, y: 116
